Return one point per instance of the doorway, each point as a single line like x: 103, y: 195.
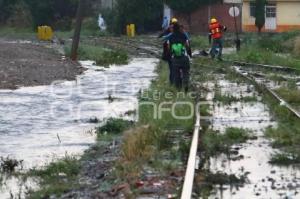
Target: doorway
x: 271, y: 17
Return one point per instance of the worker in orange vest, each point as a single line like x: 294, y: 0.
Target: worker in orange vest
x: 216, y: 34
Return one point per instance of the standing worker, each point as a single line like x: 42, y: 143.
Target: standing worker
x: 165, y: 24
x: 216, y: 34
x: 166, y: 53
x: 179, y: 46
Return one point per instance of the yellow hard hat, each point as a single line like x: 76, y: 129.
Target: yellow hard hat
x: 174, y: 20
x: 213, y: 20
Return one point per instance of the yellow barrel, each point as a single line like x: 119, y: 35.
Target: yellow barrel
x: 132, y: 30
x: 48, y: 33
x: 128, y: 31
x: 45, y: 33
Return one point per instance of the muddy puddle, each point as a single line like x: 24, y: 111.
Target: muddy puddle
x: 249, y: 159
x: 41, y: 124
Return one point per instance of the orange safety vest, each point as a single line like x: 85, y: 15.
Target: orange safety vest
x: 216, y: 30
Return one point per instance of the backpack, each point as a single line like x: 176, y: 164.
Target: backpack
x: 178, y: 49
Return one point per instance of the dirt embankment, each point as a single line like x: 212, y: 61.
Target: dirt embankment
x: 28, y: 64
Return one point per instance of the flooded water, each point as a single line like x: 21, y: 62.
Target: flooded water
x: 264, y: 180
x: 39, y: 124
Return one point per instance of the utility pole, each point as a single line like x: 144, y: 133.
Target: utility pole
x: 76, y: 37
x: 237, y: 41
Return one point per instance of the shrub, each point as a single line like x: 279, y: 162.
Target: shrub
x: 9, y: 165
x: 199, y: 42
x: 215, y: 142
x: 297, y: 47
x: 285, y: 158
x: 115, y: 126
x: 56, y: 178
x: 101, y: 56
x: 138, y: 144
x: 145, y: 15
x: 69, y: 166
x: 269, y: 43
x: 260, y: 14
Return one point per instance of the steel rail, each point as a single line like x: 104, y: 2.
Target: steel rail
x: 192, y: 161
x: 273, y: 93
x: 129, y: 43
x: 284, y: 68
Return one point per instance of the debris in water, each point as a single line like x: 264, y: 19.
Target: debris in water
x: 94, y: 120
x: 58, y: 138
x: 8, y: 165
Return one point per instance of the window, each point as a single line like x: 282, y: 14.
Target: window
x: 271, y: 11
x: 252, y: 9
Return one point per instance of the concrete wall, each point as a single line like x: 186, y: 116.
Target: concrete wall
x: 288, y: 16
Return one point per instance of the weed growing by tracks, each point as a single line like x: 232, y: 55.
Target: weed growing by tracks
x: 102, y: 56
x: 215, y: 143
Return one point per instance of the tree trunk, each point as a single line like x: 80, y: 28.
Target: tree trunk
x: 76, y: 37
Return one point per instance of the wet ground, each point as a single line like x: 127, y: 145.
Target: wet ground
x: 46, y: 122
x: 276, y: 81
x: 40, y: 124
x: 250, y: 159
x: 25, y: 63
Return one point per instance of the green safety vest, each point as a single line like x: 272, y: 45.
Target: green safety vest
x: 178, y: 49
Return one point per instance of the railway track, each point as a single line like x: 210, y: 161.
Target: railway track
x: 263, y: 86
x: 153, y: 49
x: 131, y: 45
x: 256, y: 65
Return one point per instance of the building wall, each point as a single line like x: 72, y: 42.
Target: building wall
x: 288, y: 17
x: 247, y: 19
x: 198, y: 21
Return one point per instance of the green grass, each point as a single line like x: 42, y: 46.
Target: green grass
x: 290, y: 95
x: 17, y: 33
x: 89, y: 29
x: 114, y: 126
x: 276, y: 78
x: 229, y: 99
x: 276, y: 42
x: 64, y: 34
x: 215, y: 142
x: 286, y: 134
x: 266, y: 49
x: 224, y: 179
x: 56, y: 178
x: 199, y: 42
x: 102, y: 56
x: 205, y: 182
x: 285, y: 158
x: 257, y: 55
x: 162, y: 95
x: 149, y: 143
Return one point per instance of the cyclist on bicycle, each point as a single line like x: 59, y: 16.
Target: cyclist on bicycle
x: 179, y: 47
